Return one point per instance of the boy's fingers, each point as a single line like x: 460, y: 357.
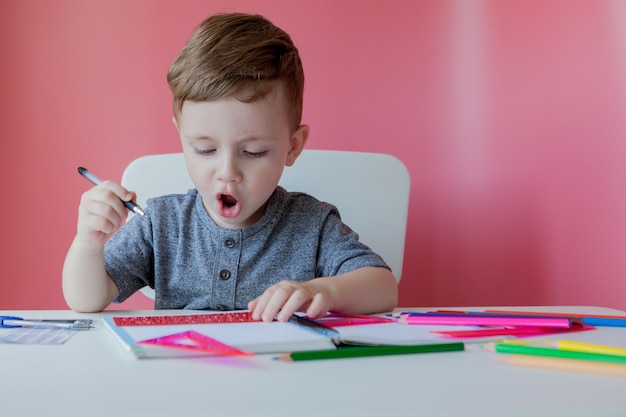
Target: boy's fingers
x: 107, y: 205
x: 318, y: 307
x: 294, y: 303
x: 252, y: 304
x: 119, y: 191
x: 275, y: 302
x: 259, y: 308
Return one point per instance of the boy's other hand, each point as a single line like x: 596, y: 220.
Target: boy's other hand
x: 281, y: 300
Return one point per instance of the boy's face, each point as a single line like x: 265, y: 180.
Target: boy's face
x: 235, y: 153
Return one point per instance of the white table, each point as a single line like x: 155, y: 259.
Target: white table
x: 92, y: 375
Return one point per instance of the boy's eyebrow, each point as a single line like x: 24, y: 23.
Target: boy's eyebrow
x: 251, y: 138
x: 199, y: 138
x: 254, y: 138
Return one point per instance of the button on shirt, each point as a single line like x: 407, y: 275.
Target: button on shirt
x: 192, y: 263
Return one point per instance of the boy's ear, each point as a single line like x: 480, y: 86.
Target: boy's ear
x: 175, y: 122
x: 297, y: 142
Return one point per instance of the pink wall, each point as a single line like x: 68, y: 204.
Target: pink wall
x: 511, y: 117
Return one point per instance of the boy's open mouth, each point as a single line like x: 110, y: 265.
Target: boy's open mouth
x: 228, y: 200
x: 228, y: 206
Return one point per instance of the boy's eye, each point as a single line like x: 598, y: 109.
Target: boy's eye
x: 204, y: 151
x: 255, y: 154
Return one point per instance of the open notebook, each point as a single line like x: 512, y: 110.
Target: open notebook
x: 249, y: 337
x: 216, y: 333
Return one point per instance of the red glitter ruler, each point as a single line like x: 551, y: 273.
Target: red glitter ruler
x: 232, y: 317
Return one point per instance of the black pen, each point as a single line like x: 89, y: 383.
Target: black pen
x: 95, y: 180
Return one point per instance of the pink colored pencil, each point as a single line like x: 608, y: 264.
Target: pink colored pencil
x: 460, y: 320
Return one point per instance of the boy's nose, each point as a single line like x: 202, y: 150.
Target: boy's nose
x: 229, y: 171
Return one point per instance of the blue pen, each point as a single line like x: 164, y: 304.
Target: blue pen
x: 12, y: 321
x: 95, y: 180
x: 603, y: 321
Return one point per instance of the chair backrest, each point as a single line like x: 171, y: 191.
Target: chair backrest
x: 370, y: 190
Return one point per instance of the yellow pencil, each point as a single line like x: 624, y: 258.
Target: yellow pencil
x: 571, y: 346
x: 587, y: 347
x: 560, y: 364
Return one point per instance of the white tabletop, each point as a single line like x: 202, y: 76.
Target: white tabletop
x: 92, y: 375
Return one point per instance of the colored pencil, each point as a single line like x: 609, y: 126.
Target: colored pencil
x: 604, y: 321
x: 484, y: 320
x: 575, y: 321
x: 523, y: 349
x: 363, y: 351
x: 561, y: 364
x: 588, y: 319
x: 587, y: 347
x: 510, y: 331
x: 558, y: 314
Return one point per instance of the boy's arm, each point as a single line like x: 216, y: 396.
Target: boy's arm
x: 363, y: 291
x: 86, y: 285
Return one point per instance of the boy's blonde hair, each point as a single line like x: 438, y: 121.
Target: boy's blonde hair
x: 238, y: 55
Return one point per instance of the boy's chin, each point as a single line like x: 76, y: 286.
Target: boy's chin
x: 237, y: 222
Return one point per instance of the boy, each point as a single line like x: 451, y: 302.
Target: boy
x: 237, y: 240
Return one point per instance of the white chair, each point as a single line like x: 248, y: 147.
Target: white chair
x: 370, y: 190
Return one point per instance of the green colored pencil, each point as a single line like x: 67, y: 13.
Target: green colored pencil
x: 557, y: 353
x: 362, y: 351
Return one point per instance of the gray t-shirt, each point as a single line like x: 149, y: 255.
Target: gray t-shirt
x: 192, y: 263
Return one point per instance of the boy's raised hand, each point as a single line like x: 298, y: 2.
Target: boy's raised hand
x: 101, y: 213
